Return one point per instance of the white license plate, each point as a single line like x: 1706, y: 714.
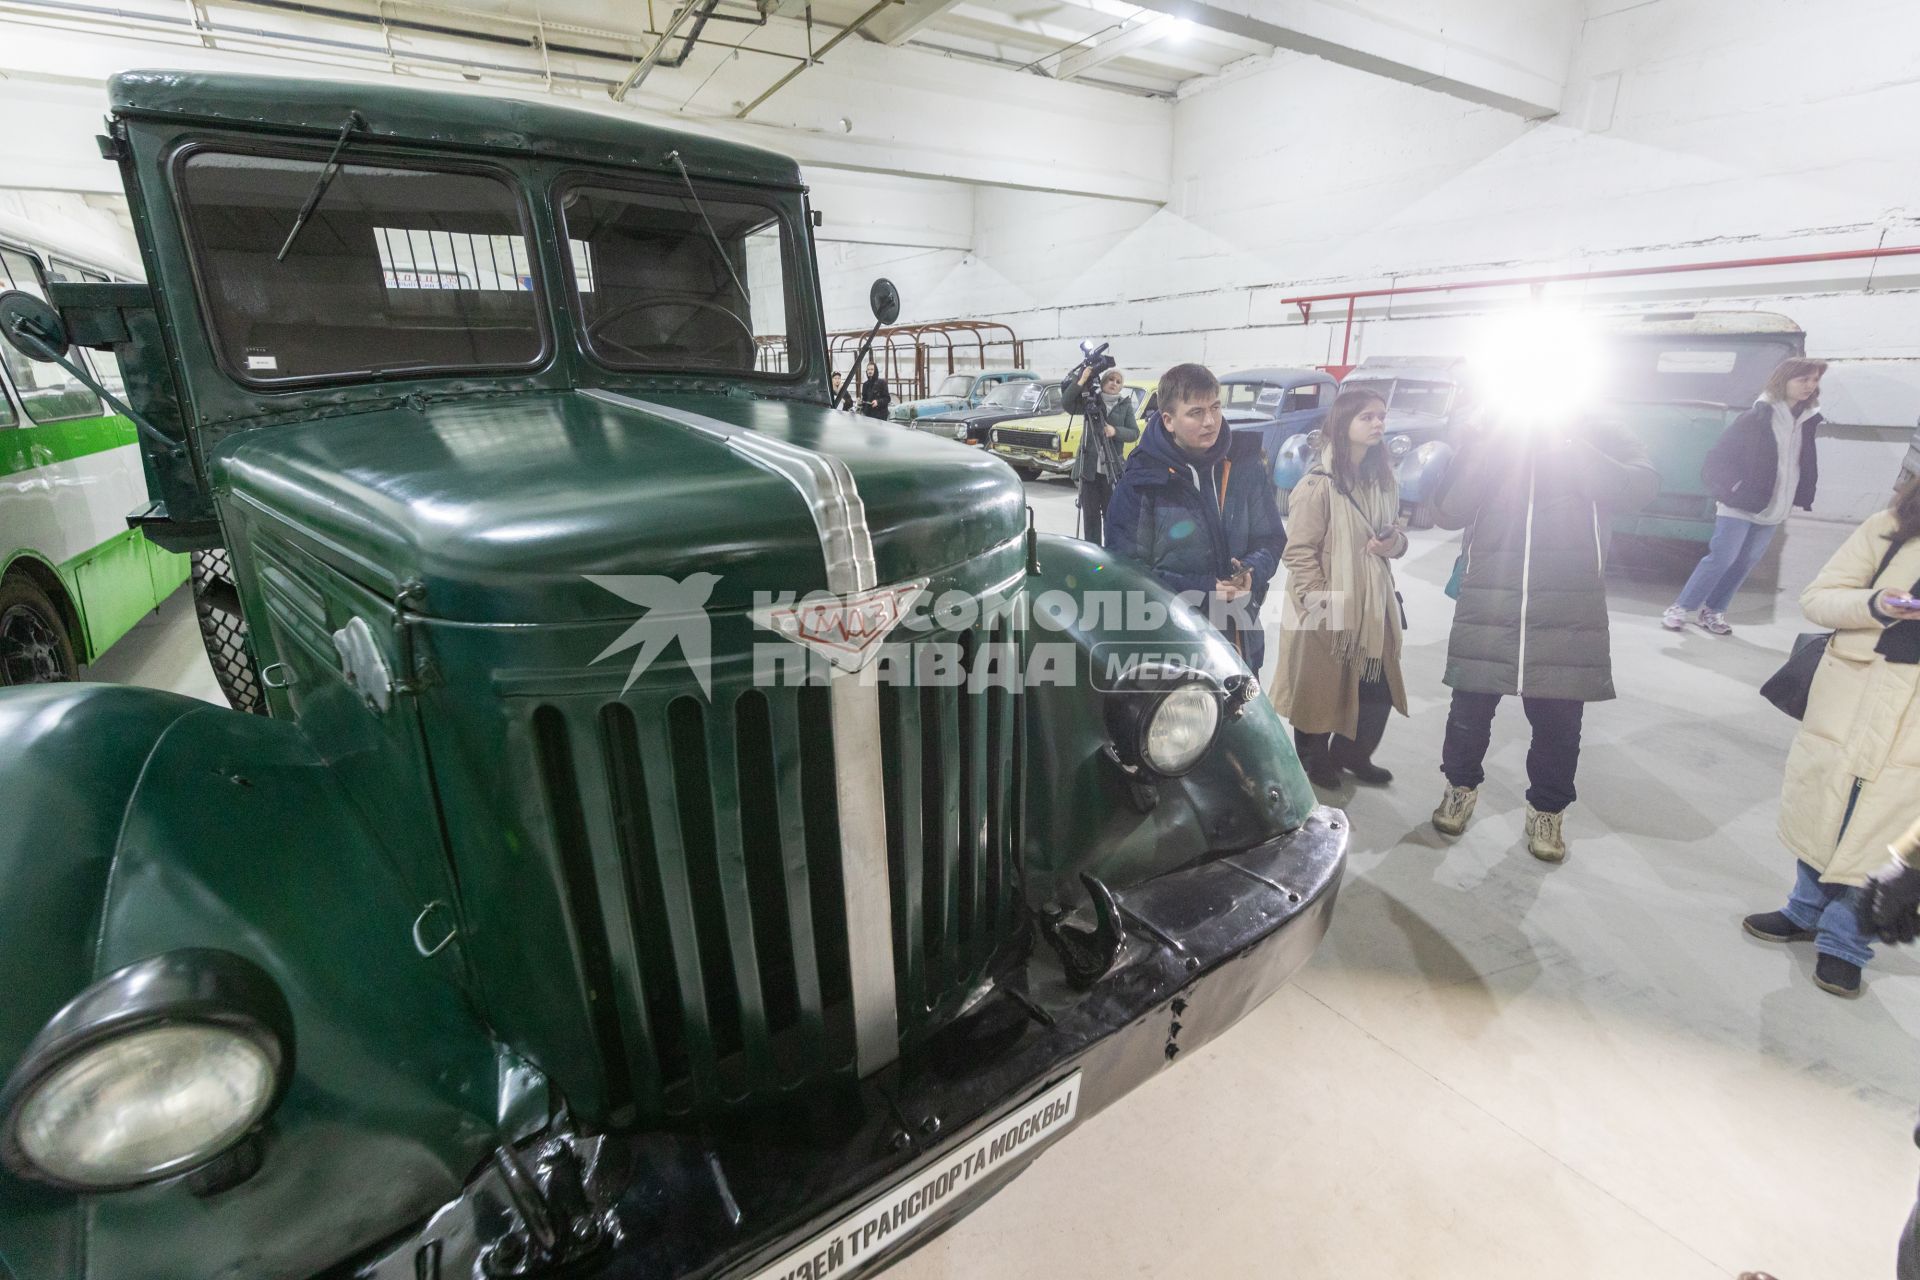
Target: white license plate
x: 909, y: 1204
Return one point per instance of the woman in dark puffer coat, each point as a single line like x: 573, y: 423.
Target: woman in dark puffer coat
x: 1532, y: 616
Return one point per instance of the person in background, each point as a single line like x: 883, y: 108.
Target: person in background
x: 1533, y: 495
x: 1109, y: 428
x: 1339, y: 671
x: 1853, y: 774
x: 875, y: 397
x: 838, y: 378
x: 1195, y: 508
x: 1762, y: 467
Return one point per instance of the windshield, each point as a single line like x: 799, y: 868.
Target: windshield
x: 956, y: 385
x: 397, y: 269
x: 1242, y: 395
x: 1014, y: 395
x: 1421, y: 397
x: 654, y: 290
x: 1729, y: 371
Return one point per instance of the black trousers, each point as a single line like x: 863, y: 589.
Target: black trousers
x: 1908, y: 1264
x: 1552, y: 756
x: 1376, y: 704
x: 1095, y: 492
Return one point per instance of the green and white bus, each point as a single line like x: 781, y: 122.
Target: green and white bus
x: 73, y: 577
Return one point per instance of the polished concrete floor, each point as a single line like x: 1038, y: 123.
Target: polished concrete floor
x: 1495, y: 1069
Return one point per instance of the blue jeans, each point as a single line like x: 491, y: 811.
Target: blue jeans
x: 1832, y: 911
x: 1735, y: 548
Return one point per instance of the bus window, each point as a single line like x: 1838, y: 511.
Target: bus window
x: 47, y: 392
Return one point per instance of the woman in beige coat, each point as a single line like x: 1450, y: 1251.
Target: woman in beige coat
x: 1854, y: 771
x: 1339, y: 670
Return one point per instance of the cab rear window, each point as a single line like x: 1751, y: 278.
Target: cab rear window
x: 396, y: 271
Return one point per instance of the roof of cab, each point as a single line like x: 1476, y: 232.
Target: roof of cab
x: 451, y: 120
x: 1280, y: 376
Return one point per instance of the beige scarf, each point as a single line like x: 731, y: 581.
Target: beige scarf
x: 1362, y: 580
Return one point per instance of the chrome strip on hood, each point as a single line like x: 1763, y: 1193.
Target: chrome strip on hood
x: 825, y: 483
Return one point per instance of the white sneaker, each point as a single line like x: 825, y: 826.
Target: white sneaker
x: 1455, y: 811
x: 1545, y: 840
x: 1674, y: 619
x: 1715, y: 622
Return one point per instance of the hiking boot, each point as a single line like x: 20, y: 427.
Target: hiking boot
x: 1842, y: 977
x: 1775, y: 926
x: 1674, y: 619
x: 1323, y: 773
x: 1455, y: 811
x: 1544, y: 838
x: 1715, y: 623
x: 1369, y: 773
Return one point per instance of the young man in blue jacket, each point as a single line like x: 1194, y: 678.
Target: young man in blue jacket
x: 1195, y: 506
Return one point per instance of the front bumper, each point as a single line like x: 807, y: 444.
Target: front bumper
x: 1205, y: 945
x: 1039, y: 459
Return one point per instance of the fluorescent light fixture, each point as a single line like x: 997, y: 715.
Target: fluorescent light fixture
x: 1180, y: 30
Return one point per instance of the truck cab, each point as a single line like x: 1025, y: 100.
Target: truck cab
x: 689, y: 830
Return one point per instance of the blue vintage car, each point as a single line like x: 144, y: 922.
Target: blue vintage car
x: 959, y: 391
x: 1427, y: 396
x: 1276, y: 403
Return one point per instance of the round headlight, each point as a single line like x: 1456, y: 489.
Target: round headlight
x: 1180, y: 728
x: 145, y: 1106
x: 1397, y: 446
x: 156, y: 1070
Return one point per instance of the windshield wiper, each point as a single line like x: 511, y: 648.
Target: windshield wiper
x: 332, y: 166
x: 701, y: 209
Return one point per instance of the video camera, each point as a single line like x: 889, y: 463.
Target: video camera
x: 1093, y: 359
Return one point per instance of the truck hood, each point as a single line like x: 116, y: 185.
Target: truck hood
x: 502, y: 510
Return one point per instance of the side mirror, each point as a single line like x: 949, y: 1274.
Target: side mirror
x: 32, y: 327
x: 885, y: 300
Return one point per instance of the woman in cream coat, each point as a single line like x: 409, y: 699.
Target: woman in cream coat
x: 1854, y: 772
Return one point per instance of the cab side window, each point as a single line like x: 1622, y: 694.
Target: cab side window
x: 47, y: 392
x: 1306, y: 397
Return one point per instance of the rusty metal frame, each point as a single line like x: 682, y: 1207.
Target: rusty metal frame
x: 906, y: 354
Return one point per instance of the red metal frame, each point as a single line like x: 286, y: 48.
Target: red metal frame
x: 1350, y: 297
x: 905, y: 353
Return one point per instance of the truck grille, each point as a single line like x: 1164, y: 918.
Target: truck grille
x: 1026, y: 439
x: 698, y: 846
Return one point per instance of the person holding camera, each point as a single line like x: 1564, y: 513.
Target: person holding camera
x: 1533, y: 495
x: 1109, y: 427
x: 1195, y: 508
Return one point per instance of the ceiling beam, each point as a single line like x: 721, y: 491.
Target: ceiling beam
x: 1101, y: 50
x: 1066, y: 40
x: 905, y: 21
x: 1351, y: 37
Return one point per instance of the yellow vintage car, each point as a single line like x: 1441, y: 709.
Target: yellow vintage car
x: 1046, y: 446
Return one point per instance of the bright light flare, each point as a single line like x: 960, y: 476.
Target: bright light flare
x: 1538, y: 365
x: 1180, y: 30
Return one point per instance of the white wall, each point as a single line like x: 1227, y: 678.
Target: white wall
x: 1693, y: 130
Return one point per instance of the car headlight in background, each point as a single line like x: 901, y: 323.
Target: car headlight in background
x: 1163, y: 718
x: 155, y: 1071
x: 1397, y: 446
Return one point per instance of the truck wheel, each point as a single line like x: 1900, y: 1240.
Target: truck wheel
x: 35, y: 647
x: 1421, y: 517
x: 223, y: 630
x: 1026, y: 473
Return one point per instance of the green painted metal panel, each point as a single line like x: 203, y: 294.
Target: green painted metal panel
x: 27, y: 448
x: 790, y: 802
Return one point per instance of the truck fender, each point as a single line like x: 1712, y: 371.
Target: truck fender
x: 156, y: 822
x: 1083, y: 814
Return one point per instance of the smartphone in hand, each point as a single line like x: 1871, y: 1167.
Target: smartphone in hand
x: 1898, y: 600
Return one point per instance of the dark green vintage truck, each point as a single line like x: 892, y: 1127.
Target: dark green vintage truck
x: 545, y: 925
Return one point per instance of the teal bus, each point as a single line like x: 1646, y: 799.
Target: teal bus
x: 74, y: 577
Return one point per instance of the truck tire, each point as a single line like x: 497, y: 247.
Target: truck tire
x: 35, y: 646
x: 223, y: 630
x: 1421, y: 516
